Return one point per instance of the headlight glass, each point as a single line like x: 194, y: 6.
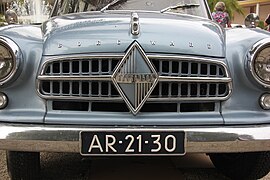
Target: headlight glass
x: 10, y: 60
x: 262, y: 64
x: 6, y: 62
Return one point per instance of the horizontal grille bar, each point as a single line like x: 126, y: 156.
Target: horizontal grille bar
x: 109, y: 77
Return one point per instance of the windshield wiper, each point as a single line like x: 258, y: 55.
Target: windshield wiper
x: 113, y: 3
x: 179, y: 6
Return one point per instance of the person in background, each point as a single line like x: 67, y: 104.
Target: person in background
x: 220, y: 16
x: 267, y: 22
x: 11, y: 17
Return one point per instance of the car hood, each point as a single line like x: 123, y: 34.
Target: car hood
x: 110, y: 32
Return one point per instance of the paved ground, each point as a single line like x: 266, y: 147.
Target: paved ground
x: 62, y: 166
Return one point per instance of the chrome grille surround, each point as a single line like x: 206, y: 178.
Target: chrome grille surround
x: 210, y: 84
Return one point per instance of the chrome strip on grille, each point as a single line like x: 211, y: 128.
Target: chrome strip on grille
x: 202, y: 78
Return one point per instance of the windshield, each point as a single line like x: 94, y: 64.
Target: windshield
x: 198, y: 7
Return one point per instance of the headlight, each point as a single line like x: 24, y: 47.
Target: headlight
x: 6, y: 62
x: 10, y: 58
x: 260, y: 62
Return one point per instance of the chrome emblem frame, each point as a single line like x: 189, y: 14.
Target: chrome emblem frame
x: 135, y: 78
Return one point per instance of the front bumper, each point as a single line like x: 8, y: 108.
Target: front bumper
x: 52, y: 138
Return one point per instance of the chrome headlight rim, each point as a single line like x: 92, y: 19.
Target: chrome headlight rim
x: 254, y: 51
x: 16, y: 54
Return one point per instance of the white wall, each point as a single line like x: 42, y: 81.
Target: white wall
x: 263, y: 12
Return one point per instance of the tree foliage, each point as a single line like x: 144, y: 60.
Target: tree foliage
x: 232, y: 6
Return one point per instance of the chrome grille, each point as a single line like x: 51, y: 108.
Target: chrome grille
x: 81, y: 66
x: 79, y: 88
x: 187, y: 68
x: 181, y: 79
x: 185, y: 90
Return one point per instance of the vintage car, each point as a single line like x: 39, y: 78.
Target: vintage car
x: 135, y: 78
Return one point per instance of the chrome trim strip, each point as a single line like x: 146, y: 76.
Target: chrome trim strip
x: 150, y: 99
x: 193, y: 79
x: 76, y: 78
x: 98, y: 98
x: 65, y: 138
x: 255, y: 49
x: 183, y: 99
x: 108, y: 78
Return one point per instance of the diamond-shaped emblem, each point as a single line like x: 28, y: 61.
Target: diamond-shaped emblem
x: 135, y: 78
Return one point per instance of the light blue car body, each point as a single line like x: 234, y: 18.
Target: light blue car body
x: 108, y: 33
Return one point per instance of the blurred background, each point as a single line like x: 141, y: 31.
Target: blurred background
x: 37, y: 11
x: 28, y: 11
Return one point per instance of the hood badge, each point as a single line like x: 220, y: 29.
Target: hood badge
x: 135, y: 78
x: 134, y: 23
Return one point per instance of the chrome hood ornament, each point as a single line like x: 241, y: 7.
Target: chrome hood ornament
x: 135, y: 78
x: 134, y: 23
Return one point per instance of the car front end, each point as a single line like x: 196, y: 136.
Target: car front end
x: 134, y: 83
